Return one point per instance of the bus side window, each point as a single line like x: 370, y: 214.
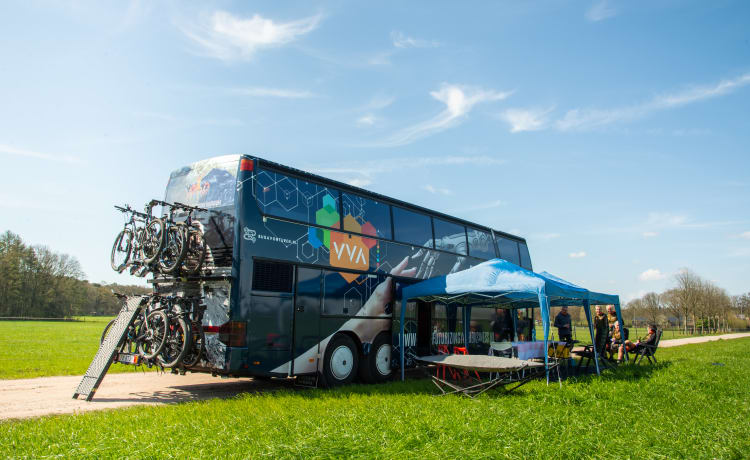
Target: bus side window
x: 508, y: 250
x: 411, y: 227
x: 449, y: 236
x: 525, y: 257
x: 370, y: 217
x: 480, y: 244
x: 287, y: 197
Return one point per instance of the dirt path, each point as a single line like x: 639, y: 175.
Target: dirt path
x: 702, y: 339
x: 53, y: 395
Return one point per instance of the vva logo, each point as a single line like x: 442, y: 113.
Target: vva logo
x: 248, y: 234
x: 348, y: 251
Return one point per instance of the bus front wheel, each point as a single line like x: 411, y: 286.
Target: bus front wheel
x: 341, y: 361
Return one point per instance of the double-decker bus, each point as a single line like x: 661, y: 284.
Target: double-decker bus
x: 304, y: 272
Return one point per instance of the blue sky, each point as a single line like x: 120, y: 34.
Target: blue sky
x: 612, y: 135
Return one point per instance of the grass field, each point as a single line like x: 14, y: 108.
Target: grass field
x: 695, y: 404
x: 45, y: 348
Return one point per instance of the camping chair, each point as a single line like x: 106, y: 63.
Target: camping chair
x: 464, y: 351
x: 648, y: 351
x: 587, y: 354
x: 443, y: 350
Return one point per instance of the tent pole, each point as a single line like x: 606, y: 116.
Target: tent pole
x: 544, y: 306
x: 587, y: 311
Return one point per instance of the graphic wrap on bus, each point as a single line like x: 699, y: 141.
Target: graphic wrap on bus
x: 313, y: 260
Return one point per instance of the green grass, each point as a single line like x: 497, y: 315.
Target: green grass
x: 687, y: 407
x: 45, y: 348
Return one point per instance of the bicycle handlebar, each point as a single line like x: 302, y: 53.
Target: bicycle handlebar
x: 190, y: 208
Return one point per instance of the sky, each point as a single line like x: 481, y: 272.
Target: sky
x: 613, y: 136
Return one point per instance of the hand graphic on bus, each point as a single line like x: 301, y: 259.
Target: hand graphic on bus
x: 382, y: 295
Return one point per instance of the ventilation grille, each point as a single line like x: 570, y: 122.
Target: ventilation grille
x: 272, y: 276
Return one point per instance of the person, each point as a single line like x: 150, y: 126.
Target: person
x: 611, y: 318
x: 616, y: 340
x: 562, y: 323
x: 648, y: 339
x: 601, y: 329
x: 501, y: 330
x: 522, y: 326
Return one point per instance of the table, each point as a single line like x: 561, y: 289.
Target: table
x: 535, y: 349
x: 505, y: 370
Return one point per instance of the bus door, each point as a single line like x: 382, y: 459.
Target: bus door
x: 306, y: 321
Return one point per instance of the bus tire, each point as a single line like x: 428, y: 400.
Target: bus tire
x: 376, y: 365
x: 340, y: 361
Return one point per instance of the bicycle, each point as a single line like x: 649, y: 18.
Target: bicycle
x: 179, y: 331
x: 128, y: 242
x: 175, y: 246
x: 196, y: 241
x: 146, y: 336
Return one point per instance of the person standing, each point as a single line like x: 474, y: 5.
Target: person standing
x: 562, y: 323
x: 601, y: 329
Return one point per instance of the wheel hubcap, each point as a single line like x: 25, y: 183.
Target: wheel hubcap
x: 383, y: 359
x: 342, y: 362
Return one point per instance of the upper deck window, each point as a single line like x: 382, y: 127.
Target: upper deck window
x: 508, y: 250
x: 449, y: 236
x: 209, y: 183
x: 480, y: 244
x: 525, y: 257
x: 368, y: 217
x: 411, y: 227
x: 296, y: 199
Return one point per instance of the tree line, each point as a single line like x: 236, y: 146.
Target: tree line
x: 694, y: 305
x: 38, y: 282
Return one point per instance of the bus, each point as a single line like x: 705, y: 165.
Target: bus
x: 304, y: 273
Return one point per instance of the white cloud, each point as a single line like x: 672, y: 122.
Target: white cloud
x: 482, y: 206
x: 189, y: 121
x: 402, y: 41
x: 600, y: 11
x: 359, y: 182
x: 441, y: 191
x: 745, y: 235
x: 525, y: 119
x: 650, y: 234
x: 228, y: 37
x: 15, y: 151
x: 581, y: 119
x: 367, y: 120
x: 458, y: 100
x: 665, y: 219
x: 367, y: 170
x: 577, y: 255
x: 272, y: 92
x: 652, y: 274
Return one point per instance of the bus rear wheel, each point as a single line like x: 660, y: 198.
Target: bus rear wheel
x: 376, y: 365
x: 341, y: 361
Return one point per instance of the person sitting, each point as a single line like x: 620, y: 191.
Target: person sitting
x: 616, y: 340
x: 562, y: 323
x: 611, y: 318
x: 647, y: 339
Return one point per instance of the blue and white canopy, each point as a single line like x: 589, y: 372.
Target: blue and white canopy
x: 499, y: 283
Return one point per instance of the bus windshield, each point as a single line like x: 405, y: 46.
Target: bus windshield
x: 209, y: 183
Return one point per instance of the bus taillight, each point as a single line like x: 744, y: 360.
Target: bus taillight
x: 232, y: 334
x: 246, y: 165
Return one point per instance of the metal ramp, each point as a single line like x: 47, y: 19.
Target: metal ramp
x: 108, y: 348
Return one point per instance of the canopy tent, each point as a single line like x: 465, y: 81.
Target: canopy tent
x: 498, y: 282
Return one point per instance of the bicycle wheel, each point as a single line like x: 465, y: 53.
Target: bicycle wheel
x: 193, y: 356
x: 153, y: 240
x: 177, y: 343
x: 196, y: 252
x: 152, y: 334
x: 121, y: 250
x: 174, y: 250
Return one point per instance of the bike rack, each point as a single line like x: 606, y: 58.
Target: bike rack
x: 108, y: 348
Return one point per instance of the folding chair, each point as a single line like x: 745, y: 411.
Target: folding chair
x: 647, y: 351
x: 502, y: 349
